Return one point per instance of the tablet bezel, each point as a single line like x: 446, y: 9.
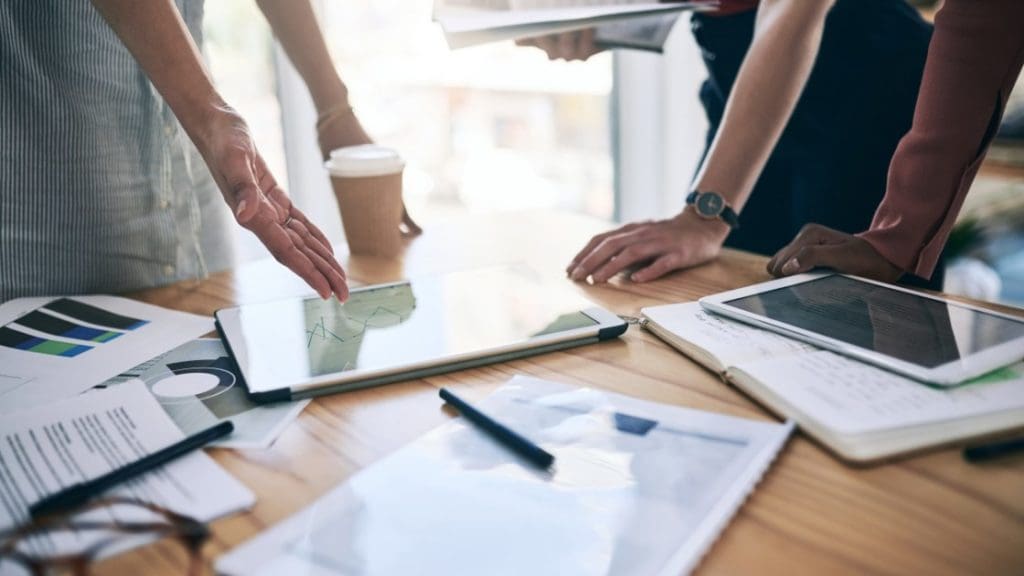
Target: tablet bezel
x: 607, y: 325
x: 945, y: 375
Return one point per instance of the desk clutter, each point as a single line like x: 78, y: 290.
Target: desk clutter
x: 91, y: 384
x: 860, y: 412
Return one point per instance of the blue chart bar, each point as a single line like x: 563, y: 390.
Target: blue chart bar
x: 11, y: 338
x: 49, y: 324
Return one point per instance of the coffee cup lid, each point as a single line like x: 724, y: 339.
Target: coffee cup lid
x: 364, y: 160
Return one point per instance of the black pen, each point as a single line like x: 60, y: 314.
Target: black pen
x: 993, y: 450
x: 77, y: 494
x: 535, y: 454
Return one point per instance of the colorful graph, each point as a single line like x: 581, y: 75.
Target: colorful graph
x: 42, y: 322
x: 65, y: 318
x: 12, y: 338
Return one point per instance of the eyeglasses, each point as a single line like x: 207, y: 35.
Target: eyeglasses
x: 69, y: 543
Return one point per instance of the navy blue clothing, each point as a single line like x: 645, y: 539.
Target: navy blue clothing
x: 831, y: 161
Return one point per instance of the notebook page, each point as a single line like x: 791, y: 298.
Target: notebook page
x: 730, y: 341
x: 854, y: 398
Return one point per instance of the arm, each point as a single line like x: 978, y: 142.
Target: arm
x: 787, y: 36
x: 157, y: 37
x: 295, y: 25
x: 973, y: 62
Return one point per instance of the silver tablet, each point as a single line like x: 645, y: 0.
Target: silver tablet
x: 304, y: 347
x: 928, y: 338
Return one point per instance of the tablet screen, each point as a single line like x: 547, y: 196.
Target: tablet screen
x: 899, y: 324
x: 397, y: 325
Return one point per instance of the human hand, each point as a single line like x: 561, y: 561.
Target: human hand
x: 817, y: 246
x: 261, y: 206
x: 659, y: 246
x: 340, y: 127
x: 577, y: 45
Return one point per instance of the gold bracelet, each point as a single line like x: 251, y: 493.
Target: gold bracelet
x: 332, y: 114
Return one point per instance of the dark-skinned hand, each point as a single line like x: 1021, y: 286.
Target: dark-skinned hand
x: 818, y: 246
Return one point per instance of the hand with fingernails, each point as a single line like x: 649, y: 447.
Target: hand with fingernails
x: 649, y: 250
x: 818, y: 246
x: 262, y: 206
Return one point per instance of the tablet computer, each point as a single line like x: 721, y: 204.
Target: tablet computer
x: 303, y: 347
x: 925, y: 337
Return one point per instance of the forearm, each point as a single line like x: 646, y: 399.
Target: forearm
x: 296, y: 27
x: 973, y: 60
x: 157, y: 37
x: 787, y: 36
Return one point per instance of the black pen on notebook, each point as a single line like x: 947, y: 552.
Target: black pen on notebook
x: 513, y: 441
x: 78, y: 494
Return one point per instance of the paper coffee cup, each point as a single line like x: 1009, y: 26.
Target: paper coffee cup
x: 367, y: 182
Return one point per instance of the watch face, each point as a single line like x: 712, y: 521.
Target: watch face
x: 710, y: 204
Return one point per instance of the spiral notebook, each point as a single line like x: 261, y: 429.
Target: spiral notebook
x: 638, y: 488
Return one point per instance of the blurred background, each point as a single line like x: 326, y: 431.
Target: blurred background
x: 497, y: 127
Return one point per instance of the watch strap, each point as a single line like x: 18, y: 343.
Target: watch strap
x: 730, y: 217
x: 727, y: 215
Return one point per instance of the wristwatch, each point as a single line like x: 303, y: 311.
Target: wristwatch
x: 711, y: 205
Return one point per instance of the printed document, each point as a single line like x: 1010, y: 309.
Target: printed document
x: 47, y: 449
x: 54, y: 348
x: 198, y: 386
x: 468, y: 23
x: 637, y: 488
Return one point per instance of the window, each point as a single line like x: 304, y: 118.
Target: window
x: 488, y: 128
x: 495, y: 127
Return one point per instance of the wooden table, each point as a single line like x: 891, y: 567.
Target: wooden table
x: 931, y: 514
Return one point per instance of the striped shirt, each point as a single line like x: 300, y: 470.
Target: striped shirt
x: 100, y: 188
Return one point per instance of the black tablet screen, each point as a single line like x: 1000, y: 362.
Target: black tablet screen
x: 899, y: 324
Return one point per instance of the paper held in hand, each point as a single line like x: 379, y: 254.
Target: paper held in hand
x: 472, y: 22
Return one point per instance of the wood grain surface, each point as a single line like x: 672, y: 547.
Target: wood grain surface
x: 930, y: 514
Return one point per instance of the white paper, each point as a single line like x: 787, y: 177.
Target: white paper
x: 854, y: 398
x: 622, y: 498
x: 730, y: 341
x: 29, y: 378
x: 48, y: 449
x: 198, y: 386
x: 649, y: 33
x: 467, y: 28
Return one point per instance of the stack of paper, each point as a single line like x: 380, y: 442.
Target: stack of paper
x: 472, y: 22
x: 53, y: 436
x: 199, y: 386
x: 52, y: 348
x: 47, y: 449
